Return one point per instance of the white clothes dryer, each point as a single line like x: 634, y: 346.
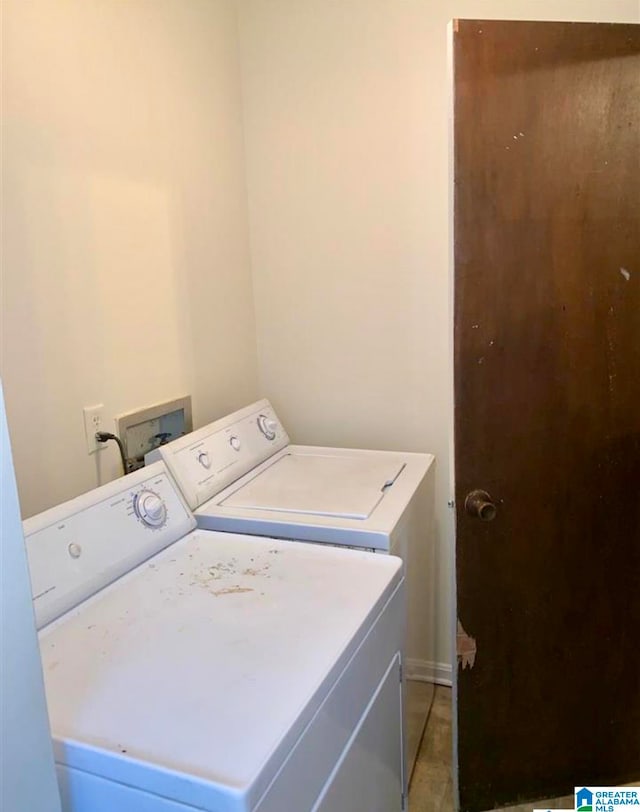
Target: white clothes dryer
x: 241, y: 474
x: 195, y: 670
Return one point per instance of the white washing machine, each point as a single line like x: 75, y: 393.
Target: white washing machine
x: 241, y: 474
x: 195, y: 670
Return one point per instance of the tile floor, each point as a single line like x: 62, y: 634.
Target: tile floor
x: 431, y: 786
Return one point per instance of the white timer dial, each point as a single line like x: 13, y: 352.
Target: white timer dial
x: 150, y: 508
x: 267, y: 426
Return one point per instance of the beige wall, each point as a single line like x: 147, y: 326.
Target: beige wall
x: 347, y: 156
x: 125, y: 257
x: 125, y: 263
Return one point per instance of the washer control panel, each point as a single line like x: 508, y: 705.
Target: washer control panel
x: 208, y: 460
x: 79, y: 547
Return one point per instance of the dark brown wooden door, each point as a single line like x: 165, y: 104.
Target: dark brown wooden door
x: 547, y: 406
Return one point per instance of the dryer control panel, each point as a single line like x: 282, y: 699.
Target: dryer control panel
x: 208, y: 460
x: 79, y: 547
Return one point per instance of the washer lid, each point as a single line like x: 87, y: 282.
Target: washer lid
x: 320, y: 485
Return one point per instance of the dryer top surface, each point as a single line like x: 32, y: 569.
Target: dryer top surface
x: 177, y: 678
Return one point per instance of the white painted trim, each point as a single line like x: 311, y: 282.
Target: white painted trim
x: 425, y: 671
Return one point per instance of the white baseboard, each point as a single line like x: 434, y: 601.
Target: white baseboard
x: 424, y: 671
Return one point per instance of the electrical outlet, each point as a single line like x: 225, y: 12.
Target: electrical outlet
x: 93, y: 418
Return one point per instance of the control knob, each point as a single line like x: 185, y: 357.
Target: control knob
x: 234, y: 442
x: 267, y: 426
x: 203, y: 459
x: 149, y: 508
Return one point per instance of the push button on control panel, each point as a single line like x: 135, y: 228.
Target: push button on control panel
x: 234, y: 442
